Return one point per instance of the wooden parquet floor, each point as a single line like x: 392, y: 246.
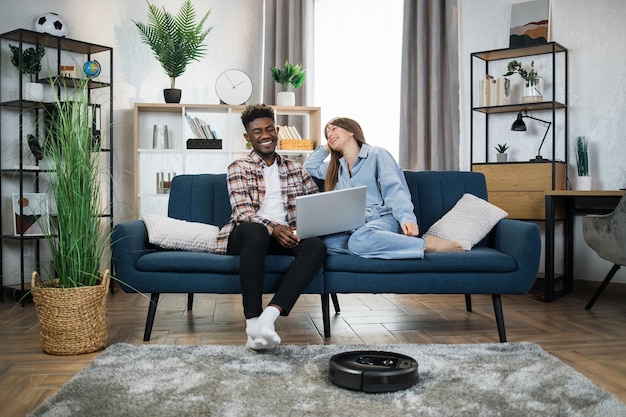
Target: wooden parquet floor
x: 593, y: 342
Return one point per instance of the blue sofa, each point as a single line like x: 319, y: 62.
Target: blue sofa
x: 505, y: 262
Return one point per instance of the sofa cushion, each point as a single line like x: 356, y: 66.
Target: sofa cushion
x: 479, y: 259
x: 193, y: 262
x: 468, y: 222
x: 170, y: 233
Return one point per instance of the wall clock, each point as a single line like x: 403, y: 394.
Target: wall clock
x: 233, y: 87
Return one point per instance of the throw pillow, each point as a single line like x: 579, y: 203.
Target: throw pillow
x: 468, y: 222
x: 170, y: 233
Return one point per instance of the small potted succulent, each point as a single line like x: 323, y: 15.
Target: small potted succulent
x: 288, y: 76
x: 533, y: 86
x: 30, y: 65
x: 501, y: 156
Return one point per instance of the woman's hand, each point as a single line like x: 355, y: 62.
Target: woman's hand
x: 285, y: 236
x: 410, y: 229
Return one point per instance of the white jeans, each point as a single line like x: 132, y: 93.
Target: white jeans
x: 380, y: 238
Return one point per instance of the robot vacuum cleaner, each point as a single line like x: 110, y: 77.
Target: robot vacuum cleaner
x: 373, y: 371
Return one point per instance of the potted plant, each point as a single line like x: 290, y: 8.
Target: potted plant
x: 175, y: 41
x: 533, y: 86
x: 72, y: 304
x: 583, y: 180
x: 288, y: 76
x: 501, y: 156
x: 28, y: 61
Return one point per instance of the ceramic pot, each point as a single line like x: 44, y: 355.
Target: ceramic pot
x: 501, y: 157
x: 33, y: 92
x: 286, y: 98
x: 583, y: 183
x: 172, y: 95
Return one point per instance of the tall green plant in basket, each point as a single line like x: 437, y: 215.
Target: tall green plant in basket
x: 77, y: 238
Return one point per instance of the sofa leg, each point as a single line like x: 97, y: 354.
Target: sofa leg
x: 190, y: 301
x: 333, y: 296
x: 497, y: 307
x: 468, y: 302
x: 154, y: 301
x: 326, y: 315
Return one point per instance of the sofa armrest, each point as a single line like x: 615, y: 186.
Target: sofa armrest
x: 129, y: 243
x: 522, y: 241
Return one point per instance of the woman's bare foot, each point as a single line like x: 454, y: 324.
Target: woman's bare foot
x: 437, y: 244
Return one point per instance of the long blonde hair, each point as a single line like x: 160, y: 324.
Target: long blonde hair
x: 352, y: 126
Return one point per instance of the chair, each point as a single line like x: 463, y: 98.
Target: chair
x: 606, y: 234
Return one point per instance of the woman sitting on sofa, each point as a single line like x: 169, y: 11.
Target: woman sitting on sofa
x: 390, y: 230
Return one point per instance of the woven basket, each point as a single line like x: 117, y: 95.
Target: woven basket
x: 72, y: 321
x: 296, y: 144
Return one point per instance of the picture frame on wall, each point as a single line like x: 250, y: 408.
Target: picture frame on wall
x: 530, y: 23
x: 31, y: 216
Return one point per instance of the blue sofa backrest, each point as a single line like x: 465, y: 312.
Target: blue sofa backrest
x: 204, y: 197
x: 200, y: 198
x: 434, y: 193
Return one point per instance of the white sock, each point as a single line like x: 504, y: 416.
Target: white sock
x: 252, y: 343
x: 262, y: 331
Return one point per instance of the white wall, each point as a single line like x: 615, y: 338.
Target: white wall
x: 234, y: 42
x: 593, y: 33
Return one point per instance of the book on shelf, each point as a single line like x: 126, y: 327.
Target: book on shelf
x: 288, y: 132
x: 200, y: 128
x: 494, y: 91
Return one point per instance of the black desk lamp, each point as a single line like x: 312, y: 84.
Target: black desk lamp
x: 519, y: 126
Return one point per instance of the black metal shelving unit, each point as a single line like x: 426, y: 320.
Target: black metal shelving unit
x: 16, y: 172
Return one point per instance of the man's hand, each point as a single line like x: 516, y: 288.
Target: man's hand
x: 285, y: 236
x: 410, y: 229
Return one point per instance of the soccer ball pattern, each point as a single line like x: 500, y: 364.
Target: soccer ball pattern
x: 51, y: 23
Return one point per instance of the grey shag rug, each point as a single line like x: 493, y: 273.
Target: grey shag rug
x: 517, y: 379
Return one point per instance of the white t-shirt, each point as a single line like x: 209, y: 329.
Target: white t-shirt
x: 273, y: 207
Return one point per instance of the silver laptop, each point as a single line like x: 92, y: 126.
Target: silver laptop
x: 330, y: 212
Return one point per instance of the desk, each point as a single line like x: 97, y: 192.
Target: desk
x: 575, y: 202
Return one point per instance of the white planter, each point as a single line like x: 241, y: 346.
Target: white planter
x: 286, y: 98
x: 533, y: 93
x: 32, y: 92
x: 501, y: 157
x: 583, y: 183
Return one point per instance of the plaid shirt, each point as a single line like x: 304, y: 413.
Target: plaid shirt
x: 246, y: 190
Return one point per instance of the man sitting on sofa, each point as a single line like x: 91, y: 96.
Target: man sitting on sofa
x: 262, y: 188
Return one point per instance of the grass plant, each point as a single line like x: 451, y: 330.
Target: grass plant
x: 77, y: 238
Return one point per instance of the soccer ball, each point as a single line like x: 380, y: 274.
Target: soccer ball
x: 51, y: 23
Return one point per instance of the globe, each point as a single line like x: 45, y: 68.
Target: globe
x: 92, y: 68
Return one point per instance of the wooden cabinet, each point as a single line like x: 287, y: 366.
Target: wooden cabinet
x: 21, y: 123
x: 154, y: 165
x: 519, y: 188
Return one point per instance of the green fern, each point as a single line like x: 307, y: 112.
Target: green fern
x: 174, y: 40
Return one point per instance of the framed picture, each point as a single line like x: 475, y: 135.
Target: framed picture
x: 30, y: 214
x: 529, y: 23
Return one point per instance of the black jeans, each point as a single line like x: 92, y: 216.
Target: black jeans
x: 252, y: 243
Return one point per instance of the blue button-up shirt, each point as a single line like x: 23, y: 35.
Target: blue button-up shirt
x: 387, y: 191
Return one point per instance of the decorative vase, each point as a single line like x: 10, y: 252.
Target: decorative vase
x: 286, y: 98
x: 583, y: 183
x: 501, y: 157
x: 32, y: 91
x: 533, y: 91
x: 172, y: 95
x: 72, y: 321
